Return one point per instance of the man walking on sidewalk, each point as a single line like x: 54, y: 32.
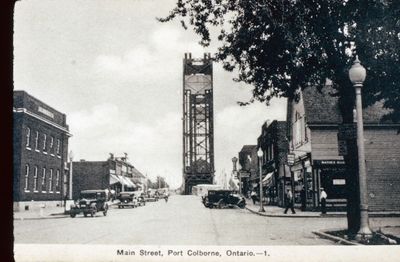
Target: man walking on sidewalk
x: 323, y: 197
x: 289, y: 201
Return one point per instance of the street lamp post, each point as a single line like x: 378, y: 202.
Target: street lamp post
x: 260, y: 155
x: 234, y: 171
x: 71, y: 157
x: 357, y: 75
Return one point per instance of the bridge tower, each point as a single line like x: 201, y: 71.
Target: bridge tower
x: 198, y: 122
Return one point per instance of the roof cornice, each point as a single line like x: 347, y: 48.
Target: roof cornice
x: 25, y: 111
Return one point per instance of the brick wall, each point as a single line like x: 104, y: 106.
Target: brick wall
x: 90, y: 175
x: 37, y: 158
x: 382, y: 153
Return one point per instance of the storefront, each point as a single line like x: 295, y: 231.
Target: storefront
x: 304, y: 183
x: 331, y: 176
x: 309, y: 177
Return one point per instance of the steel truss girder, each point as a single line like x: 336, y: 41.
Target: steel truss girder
x: 198, y: 122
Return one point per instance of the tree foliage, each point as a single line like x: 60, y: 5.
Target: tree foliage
x: 279, y: 46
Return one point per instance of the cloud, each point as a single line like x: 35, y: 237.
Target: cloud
x: 237, y: 126
x: 153, y: 149
x: 161, y: 56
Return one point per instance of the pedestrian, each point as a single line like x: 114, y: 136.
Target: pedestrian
x: 289, y: 201
x: 166, y: 198
x: 253, y: 196
x: 322, y: 197
x: 303, y: 199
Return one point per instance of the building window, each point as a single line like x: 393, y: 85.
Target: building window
x: 35, y: 179
x: 51, y: 145
x: 299, y: 130
x: 28, y: 137
x: 51, y: 181
x: 58, y: 147
x: 26, y: 188
x: 58, y: 181
x: 44, y: 143
x: 305, y: 129
x: 44, y: 179
x: 37, y: 141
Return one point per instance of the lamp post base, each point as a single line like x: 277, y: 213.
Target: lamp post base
x: 363, y: 234
x: 261, y: 209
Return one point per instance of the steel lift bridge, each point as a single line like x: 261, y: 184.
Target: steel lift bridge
x: 198, y: 122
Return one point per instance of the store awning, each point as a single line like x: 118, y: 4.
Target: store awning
x: 128, y: 182
x: 267, y: 181
x: 114, y: 179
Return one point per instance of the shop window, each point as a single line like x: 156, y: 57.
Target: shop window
x: 35, y: 179
x: 58, y: 181
x: 51, y: 149
x: 44, y: 143
x: 26, y: 187
x: 28, y: 138
x: 37, y: 141
x: 44, y: 179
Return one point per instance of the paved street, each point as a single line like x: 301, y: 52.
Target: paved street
x: 181, y: 221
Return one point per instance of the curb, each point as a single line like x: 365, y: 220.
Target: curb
x: 320, y: 215
x: 336, y: 239
x: 282, y: 215
x: 40, y: 218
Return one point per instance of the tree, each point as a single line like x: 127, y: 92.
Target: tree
x: 283, y: 46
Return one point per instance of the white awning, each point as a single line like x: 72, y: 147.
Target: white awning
x: 114, y: 179
x: 127, y: 182
x: 267, y: 181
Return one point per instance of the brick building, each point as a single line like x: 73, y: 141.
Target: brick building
x: 276, y: 176
x: 248, y: 172
x: 313, y: 137
x: 115, y: 173
x: 40, y: 146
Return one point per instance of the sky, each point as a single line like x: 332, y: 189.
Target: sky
x: 116, y: 72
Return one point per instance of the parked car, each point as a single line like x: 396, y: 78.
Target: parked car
x: 127, y: 199
x: 223, y: 198
x: 151, y: 196
x: 140, y: 198
x: 90, y: 202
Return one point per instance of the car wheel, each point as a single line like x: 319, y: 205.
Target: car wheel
x: 72, y: 214
x: 220, y: 205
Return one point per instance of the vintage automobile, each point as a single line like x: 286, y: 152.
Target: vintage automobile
x: 127, y: 199
x: 223, y: 198
x: 151, y: 196
x: 90, y: 202
x: 140, y: 198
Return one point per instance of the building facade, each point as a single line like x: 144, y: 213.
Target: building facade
x: 115, y: 173
x: 248, y: 173
x: 313, y: 124
x: 276, y: 177
x: 40, y: 148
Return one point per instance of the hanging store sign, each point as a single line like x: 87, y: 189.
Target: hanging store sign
x: 290, y: 159
x: 244, y: 174
x: 346, y: 132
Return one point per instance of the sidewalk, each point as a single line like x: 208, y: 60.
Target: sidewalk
x: 275, y: 211
x: 47, y: 213
x: 389, y: 229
